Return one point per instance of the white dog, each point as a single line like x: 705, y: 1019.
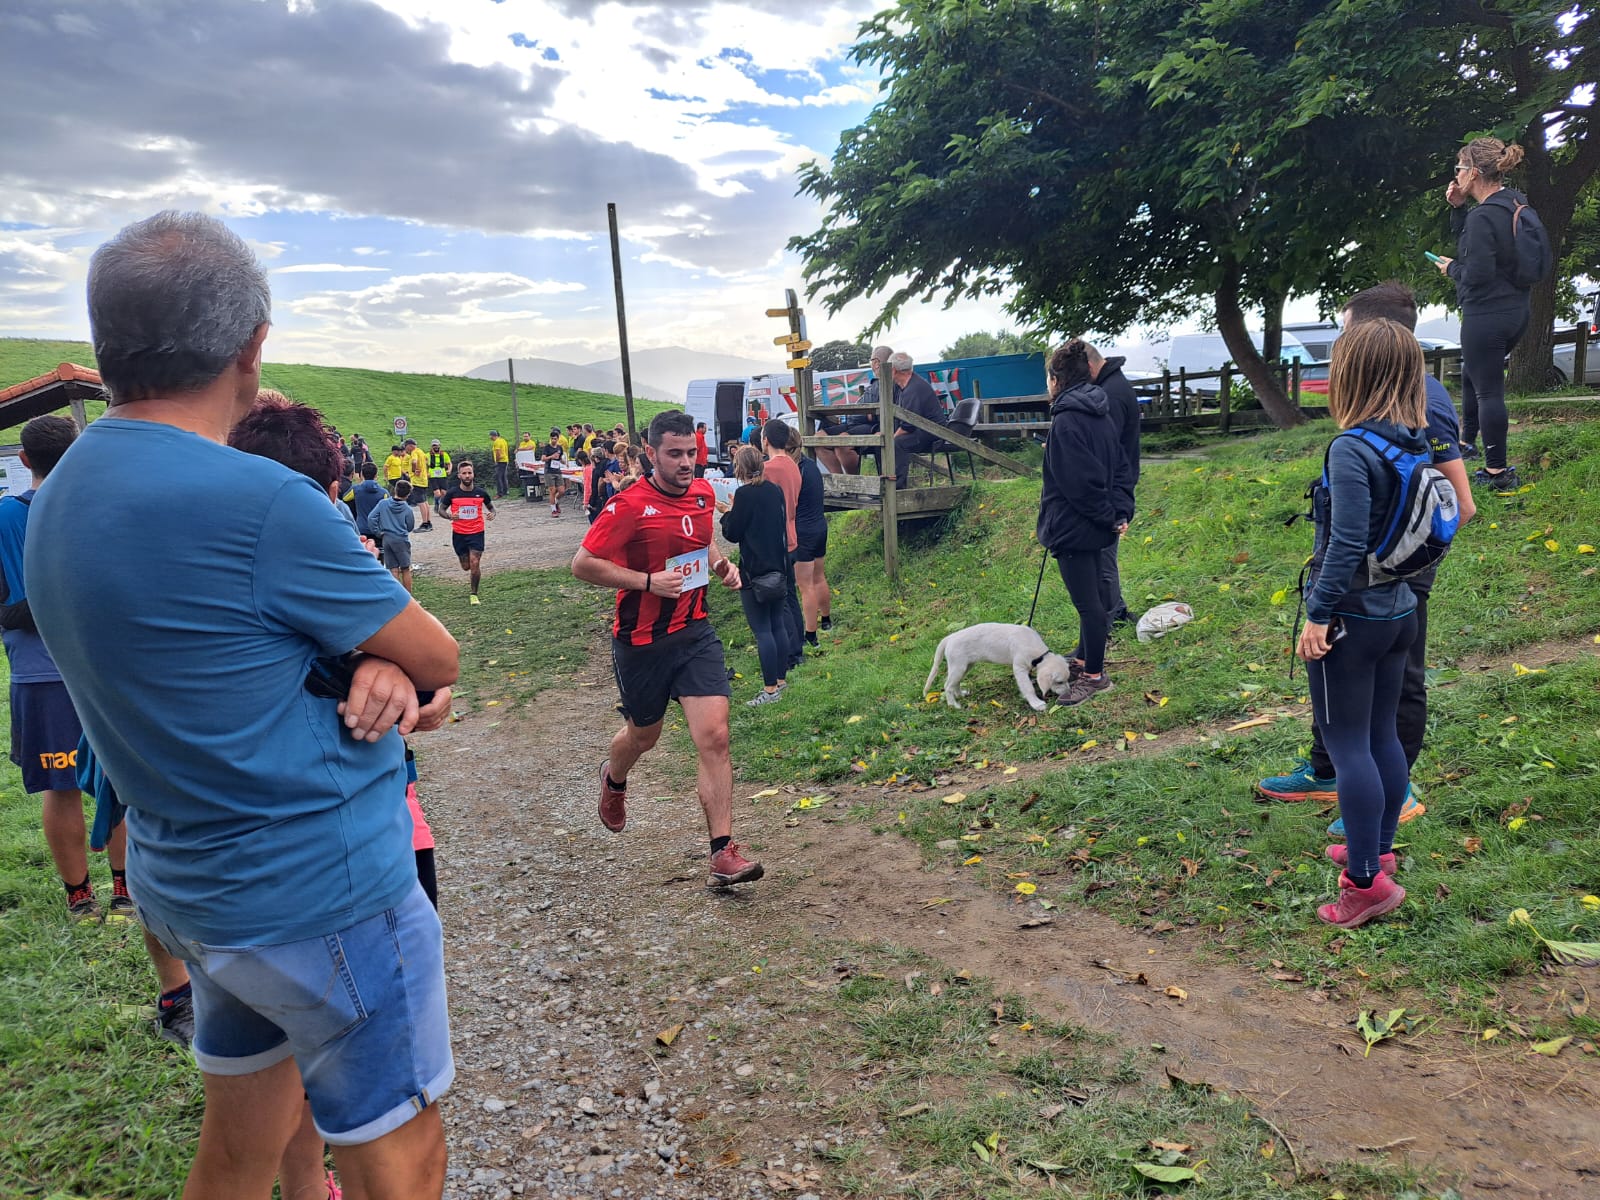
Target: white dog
x: 1018, y: 645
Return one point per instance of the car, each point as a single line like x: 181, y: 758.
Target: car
x: 1561, y: 358
x: 1202, y: 353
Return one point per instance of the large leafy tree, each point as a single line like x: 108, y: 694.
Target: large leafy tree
x: 983, y: 345
x: 839, y: 355
x: 1107, y: 164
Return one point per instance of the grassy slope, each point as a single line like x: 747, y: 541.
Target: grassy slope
x: 458, y: 411
x: 1172, y: 830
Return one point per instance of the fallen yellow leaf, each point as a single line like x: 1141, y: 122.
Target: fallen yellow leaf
x: 955, y: 798
x: 764, y: 793
x: 1490, y: 1033
x: 1253, y: 723
x: 670, y: 1034
x: 1027, y: 889
x: 1089, y: 745
x: 1553, y: 1047
x: 1177, y: 993
x: 852, y: 719
x: 1279, y: 596
x: 973, y: 861
x: 1552, y: 545
x: 1010, y: 771
x: 1585, y: 549
x: 1518, y: 669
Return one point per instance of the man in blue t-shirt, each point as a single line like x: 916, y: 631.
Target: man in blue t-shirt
x: 44, y: 727
x: 1314, y: 779
x: 268, y: 846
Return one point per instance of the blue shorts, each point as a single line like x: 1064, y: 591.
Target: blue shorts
x: 44, y: 736
x: 362, y: 1011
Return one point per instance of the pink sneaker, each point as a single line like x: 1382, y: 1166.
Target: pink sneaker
x: 334, y: 1192
x: 729, y: 866
x: 1341, y: 855
x: 1356, y: 906
x: 613, y: 801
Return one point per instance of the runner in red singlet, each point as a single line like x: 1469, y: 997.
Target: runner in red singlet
x: 653, y: 543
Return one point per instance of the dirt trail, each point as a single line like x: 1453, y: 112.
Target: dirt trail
x: 1494, y: 1117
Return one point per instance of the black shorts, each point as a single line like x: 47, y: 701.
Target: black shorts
x: 466, y: 541
x: 419, y: 495
x: 808, y: 547
x: 686, y: 663
x: 44, y: 736
x: 439, y: 485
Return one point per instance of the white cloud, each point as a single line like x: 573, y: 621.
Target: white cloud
x: 448, y: 297
x: 324, y: 269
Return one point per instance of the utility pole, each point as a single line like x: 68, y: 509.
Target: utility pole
x: 622, y: 322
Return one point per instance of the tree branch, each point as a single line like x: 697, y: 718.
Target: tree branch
x: 1075, y: 111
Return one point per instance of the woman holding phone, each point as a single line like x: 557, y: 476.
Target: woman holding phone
x: 1358, y: 627
x: 1494, y: 307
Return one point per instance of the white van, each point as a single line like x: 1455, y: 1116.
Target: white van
x: 723, y: 404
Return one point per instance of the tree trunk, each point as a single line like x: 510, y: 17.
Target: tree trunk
x: 1230, y: 323
x: 1272, y: 329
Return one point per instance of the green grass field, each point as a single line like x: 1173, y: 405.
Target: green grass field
x: 458, y: 411
x: 1144, y: 804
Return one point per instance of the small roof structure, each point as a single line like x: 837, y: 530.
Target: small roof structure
x: 68, y: 384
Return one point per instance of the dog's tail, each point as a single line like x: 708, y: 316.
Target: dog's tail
x: 938, y: 657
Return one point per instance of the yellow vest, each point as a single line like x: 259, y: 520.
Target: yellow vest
x: 500, y: 449
x: 393, y: 467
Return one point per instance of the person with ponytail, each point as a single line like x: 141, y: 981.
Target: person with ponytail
x: 1085, y: 504
x: 1359, y: 624
x: 1494, y: 306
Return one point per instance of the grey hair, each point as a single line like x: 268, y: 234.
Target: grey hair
x: 173, y: 299
x: 882, y: 353
x: 900, y: 361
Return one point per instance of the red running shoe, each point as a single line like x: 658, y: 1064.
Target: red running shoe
x: 729, y: 866
x: 1357, y: 906
x: 613, y: 801
x: 1341, y: 855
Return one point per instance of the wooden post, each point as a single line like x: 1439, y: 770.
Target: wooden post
x: 1580, y: 354
x: 516, y: 424
x: 622, y: 323
x: 1183, y: 391
x: 1166, y: 393
x: 886, y: 474
x: 1225, y: 398
x: 80, y: 417
x: 1294, y: 372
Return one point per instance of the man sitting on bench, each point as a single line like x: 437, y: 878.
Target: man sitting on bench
x: 912, y: 391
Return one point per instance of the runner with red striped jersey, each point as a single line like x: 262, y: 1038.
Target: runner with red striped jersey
x: 653, y: 543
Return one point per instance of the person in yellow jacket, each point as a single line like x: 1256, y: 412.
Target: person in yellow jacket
x: 500, y: 451
x: 438, y: 474
x: 394, y: 468
x: 417, y: 470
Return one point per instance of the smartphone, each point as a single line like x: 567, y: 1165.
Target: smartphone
x: 1336, y: 630
x: 1431, y: 257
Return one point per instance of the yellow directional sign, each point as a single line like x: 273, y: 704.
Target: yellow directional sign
x: 790, y: 339
x: 777, y: 312
x: 799, y: 363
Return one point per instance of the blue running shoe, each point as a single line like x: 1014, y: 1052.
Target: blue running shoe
x: 1409, y: 811
x: 1298, y: 784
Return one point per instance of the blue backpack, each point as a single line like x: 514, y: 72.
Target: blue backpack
x: 1422, y: 521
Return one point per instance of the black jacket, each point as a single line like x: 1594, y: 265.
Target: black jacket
x: 1125, y: 411
x: 759, y: 524
x: 1485, y: 255
x: 1088, y: 488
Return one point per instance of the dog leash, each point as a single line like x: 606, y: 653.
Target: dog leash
x: 1034, y: 607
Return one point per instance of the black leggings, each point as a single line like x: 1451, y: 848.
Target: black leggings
x: 1080, y: 571
x: 1486, y: 339
x: 426, y: 876
x: 1355, y: 691
x: 1411, y: 721
x: 769, y: 623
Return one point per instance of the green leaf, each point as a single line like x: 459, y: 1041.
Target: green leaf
x: 1161, y: 1173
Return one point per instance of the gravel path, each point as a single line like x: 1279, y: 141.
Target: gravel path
x: 569, y: 948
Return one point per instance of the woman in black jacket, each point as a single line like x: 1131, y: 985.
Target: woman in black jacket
x: 759, y: 523
x: 1494, y: 307
x: 1085, y: 504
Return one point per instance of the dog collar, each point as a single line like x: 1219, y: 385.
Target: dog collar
x: 1034, y: 665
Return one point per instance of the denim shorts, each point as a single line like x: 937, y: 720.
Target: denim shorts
x: 362, y: 1012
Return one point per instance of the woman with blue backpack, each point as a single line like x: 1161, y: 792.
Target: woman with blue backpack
x: 1502, y: 250
x: 1382, y: 512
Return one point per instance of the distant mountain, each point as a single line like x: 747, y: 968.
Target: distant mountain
x: 657, y: 374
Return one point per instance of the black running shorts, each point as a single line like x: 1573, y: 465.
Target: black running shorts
x: 686, y: 663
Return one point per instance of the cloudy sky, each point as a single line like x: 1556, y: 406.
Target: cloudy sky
x: 427, y: 179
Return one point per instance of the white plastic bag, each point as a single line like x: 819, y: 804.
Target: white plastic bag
x: 1163, y: 617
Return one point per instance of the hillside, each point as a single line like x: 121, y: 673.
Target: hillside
x: 457, y: 411
x: 660, y: 374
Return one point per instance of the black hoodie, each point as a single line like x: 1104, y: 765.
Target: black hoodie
x: 1486, y: 255
x: 1088, y: 487
x: 1125, y: 412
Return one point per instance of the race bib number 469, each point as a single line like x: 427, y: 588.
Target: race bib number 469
x: 695, y: 567
x: 467, y: 512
